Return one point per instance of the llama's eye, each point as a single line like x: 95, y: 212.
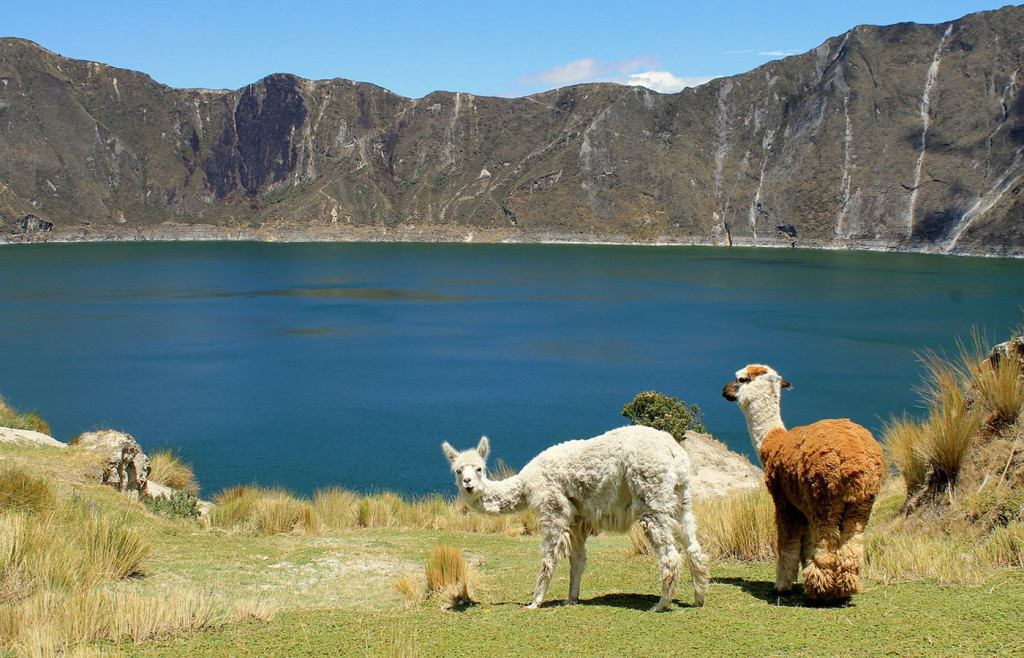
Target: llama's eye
x: 743, y: 380
x: 479, y: 470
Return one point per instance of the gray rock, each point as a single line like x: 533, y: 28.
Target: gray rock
x: 125, y: 467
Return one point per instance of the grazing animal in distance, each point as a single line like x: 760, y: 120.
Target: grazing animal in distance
x: 823, y: 479
x: 579, y: 488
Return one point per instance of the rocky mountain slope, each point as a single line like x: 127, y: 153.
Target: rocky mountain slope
x: 903, y: 137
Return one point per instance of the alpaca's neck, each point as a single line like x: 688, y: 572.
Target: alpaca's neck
x: 763, y: 417
x: 503, y: 496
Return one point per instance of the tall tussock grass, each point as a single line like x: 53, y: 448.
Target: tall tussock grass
x: 263, y: 511
x: 11, y: 417
x: 969, y: 401
x: 449, y: 575
x: 741, y: 525
x: 166, y: 468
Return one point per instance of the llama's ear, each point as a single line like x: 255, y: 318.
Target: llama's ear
x: 449, y: 451
x: 483, y: 447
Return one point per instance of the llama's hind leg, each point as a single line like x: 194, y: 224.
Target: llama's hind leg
x: 850, y: 552
x: 686, y: 535
x: 820, y: 572
x: 577, y: 562
x: 790, y: 525
x: 659, y: 529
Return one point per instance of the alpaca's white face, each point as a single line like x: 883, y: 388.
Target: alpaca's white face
x: 469, y: 466
x: 751, y: 383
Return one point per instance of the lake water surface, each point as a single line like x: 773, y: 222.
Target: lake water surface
x: 348, y: 364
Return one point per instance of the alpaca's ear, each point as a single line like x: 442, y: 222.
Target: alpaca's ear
x: 449, y: 451
x: 483, y: 447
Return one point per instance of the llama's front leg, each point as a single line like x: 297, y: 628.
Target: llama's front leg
x: 552, y: 547
x: 790, y: 525
x: 577, y: 563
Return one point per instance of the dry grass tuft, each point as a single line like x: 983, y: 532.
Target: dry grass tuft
x: 167, y: 469
x: 336, y: 507
x: 262, y: 608
x: 20, y: 491
x: 449, y: 575
x: 410, y: 590
x: 11, y: 417
x: 741, y: 525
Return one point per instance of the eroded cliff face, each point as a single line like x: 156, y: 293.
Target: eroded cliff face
x: 902, y: 137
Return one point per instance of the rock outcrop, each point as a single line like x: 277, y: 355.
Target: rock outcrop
x: 28, y: 437
x: 907, y: 137
x: 124, y: 466
x: 718, y: 471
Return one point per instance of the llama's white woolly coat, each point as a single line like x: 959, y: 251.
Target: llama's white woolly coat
x: 603, y: 476
x: 579, y: 488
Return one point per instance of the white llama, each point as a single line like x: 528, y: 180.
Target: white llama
x: 823, y: 478
x: 579, y: 488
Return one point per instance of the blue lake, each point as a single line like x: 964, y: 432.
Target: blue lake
x: 308, y: 365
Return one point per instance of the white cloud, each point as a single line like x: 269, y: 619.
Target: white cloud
x: 583, y: 70
x: 763, y: 53
x: 635, y: 72
x: 664, y: 82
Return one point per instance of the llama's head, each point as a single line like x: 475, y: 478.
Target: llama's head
x: 469, y: 466
x: 755, y: 382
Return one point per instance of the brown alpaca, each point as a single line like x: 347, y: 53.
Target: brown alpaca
x: 823, y: 479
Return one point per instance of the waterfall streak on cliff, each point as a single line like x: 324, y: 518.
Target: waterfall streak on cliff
x: 847, y: 181
x: 929, y: 82
x: 1008, y: 180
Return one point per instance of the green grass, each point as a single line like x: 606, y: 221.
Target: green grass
x: 741, y: 616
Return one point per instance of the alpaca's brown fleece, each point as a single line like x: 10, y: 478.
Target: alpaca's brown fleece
x: 822, y: 461
x: 829, y: 472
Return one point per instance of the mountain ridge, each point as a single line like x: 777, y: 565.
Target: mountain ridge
x: 907, y: 137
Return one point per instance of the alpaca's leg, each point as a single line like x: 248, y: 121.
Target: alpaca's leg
x: 820, y: 572
x: 851, y: 548
x: 555, y: 543
x: 698, y: 561
x: 790, y: 524
x: 577, y: 562
x: 659, y: 528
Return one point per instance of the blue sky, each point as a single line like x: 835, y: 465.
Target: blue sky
x: 483, y: 48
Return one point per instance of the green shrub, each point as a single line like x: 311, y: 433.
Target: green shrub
x: 180, y: 505
x: 661, y: 412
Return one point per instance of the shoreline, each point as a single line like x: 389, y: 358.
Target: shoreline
x: 411, y: 234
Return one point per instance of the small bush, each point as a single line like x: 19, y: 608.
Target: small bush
x: 180, y: 505
x: 661, y: 412
x: 166, y: 468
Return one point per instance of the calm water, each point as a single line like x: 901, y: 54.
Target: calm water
x: 348, y: 364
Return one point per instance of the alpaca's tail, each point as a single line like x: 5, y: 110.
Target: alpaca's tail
x: 833, y: 572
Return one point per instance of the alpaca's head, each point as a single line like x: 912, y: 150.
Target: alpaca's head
x: 755, y: 382
x: 469, y: 466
